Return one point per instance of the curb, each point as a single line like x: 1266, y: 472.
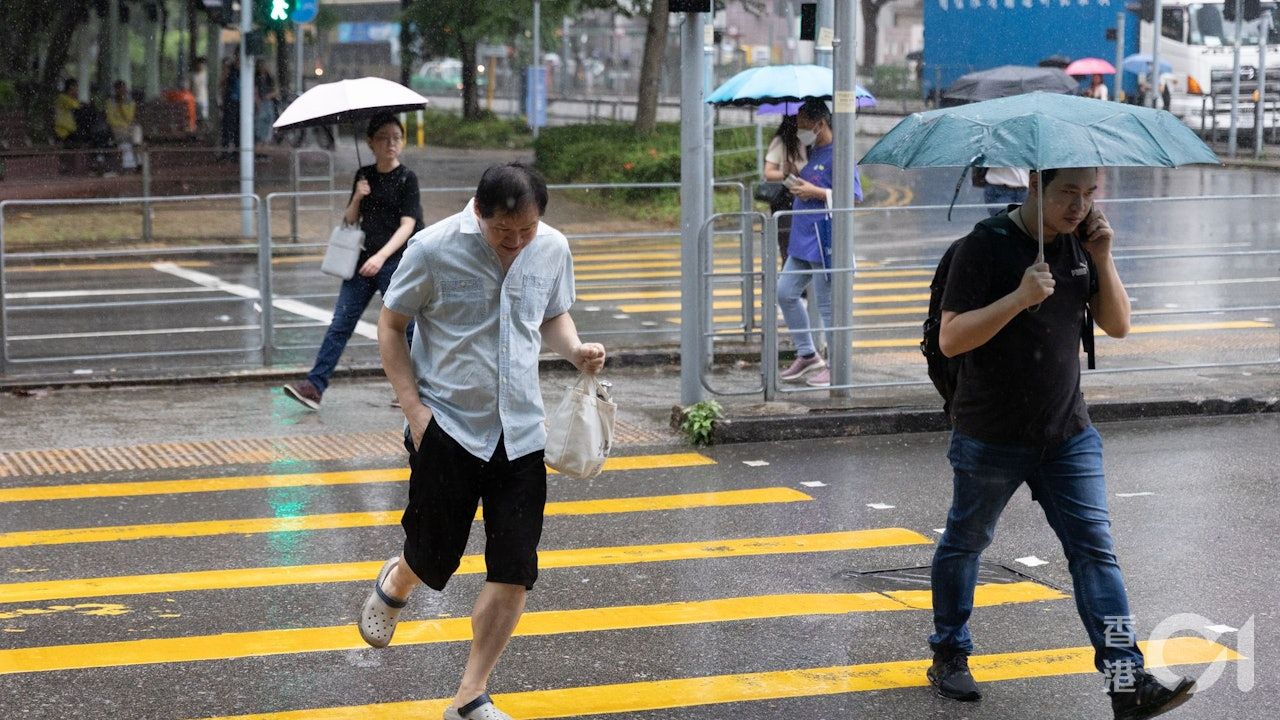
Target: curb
x: 917, y: 420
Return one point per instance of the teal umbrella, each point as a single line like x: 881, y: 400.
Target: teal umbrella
x: 1040, y: 131
x: 770, y: 84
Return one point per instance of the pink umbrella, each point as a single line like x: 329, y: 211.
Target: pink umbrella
x: 1091, y: 66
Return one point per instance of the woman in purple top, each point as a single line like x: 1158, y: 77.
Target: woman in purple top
x: 812, y: 191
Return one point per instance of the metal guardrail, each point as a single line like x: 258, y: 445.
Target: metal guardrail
x: 746, y: 235
x: 7, y: 358
x: 769, y: 331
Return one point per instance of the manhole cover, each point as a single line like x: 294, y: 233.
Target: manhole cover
x: 917, y: 578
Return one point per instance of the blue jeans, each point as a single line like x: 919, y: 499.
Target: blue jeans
x: 353, y: 298
x: 1002, y: 197
x: 1067, y: 481
x: 793, y: 310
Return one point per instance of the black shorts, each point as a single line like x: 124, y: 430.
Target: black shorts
x: 445, y: 485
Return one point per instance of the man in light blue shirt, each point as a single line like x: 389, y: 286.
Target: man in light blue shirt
x: 486, y: 287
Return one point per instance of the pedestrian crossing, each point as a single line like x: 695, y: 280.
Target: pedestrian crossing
x: 888, y: 303
x: 47, y: 645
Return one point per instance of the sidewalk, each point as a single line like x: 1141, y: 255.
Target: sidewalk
x: 645, y: 387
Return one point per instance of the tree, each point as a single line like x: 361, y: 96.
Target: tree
x: 655, y: 47
x: 871, y: 29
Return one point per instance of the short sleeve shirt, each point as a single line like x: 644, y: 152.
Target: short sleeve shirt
x: 777, y: 154
x: 804, y: 228
x: 392, y: 195
x: 475, y: 350
x: 1023, y: 385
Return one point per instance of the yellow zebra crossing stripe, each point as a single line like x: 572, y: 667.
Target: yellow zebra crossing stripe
x: 42, y: 590
x: 227, y: 646
x: 332, y: 521
x: 747, y: 687
x: 81, y: 491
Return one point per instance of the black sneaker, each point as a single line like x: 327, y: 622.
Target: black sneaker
x: 950, y: 675
x: 1149, y: 697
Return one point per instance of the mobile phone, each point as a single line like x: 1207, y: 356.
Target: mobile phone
x: 791, y: 181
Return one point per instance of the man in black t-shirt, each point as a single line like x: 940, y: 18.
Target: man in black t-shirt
x: 1019, y: 417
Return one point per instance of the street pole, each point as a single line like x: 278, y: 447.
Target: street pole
x: 1155, y: 54
x: 298, y: 39
x: 692, y: 202
x: 246, y: 122
x: 792, y: 45
x: 564, y: 55
x: 822, y: 43
x: 709, y: 114
x: 1260, y: 113
x: 1115, y: 79
x: 1235, y: 83
x: 537, y: 56
x: 843, y: 161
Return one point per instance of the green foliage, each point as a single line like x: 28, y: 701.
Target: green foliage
x: 8, y: 94
x: 699, y: 420
x: 614, y: 153
x: 488, y: 131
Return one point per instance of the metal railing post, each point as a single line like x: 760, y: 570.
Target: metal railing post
x: 146, y: 196
x: 768, y: 308
x: 265, y: 298
x: 746, y: 249
x: 293, y: 205
x: 4, y: 331
x: 759, y: 150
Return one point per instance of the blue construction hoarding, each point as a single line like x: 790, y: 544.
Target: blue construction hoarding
x: 962, y: 36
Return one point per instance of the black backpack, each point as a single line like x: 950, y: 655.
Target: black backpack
x: 945, y: 371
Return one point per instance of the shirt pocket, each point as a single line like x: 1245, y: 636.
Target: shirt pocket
x: 533, y: 296
x: 464, y: 301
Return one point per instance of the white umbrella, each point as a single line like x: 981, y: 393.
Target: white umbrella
x: 348, y: 101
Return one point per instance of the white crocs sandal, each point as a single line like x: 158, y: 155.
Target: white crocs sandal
x: 482, y: 708
x: 381, y: 612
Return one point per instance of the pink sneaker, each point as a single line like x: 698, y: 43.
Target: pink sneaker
x: 821, y: 380
x: 802, y: 367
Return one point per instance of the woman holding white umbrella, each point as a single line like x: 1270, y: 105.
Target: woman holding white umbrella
x: 385, y: 202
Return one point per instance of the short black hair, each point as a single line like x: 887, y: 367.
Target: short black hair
x: 1047, y: 176
x: 377, y: 121
x: 814, y: 109
x: 509, y: 188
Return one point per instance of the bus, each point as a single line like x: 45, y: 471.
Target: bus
x: 1199, y: 45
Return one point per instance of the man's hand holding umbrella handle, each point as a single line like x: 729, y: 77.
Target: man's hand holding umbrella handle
x: 1036, y: 286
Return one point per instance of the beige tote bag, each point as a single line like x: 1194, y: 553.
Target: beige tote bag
x: 580, y: 431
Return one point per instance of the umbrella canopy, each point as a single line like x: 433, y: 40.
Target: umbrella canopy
x: 1040, y: 131
x: 864, y: 99
x: 348, y: 101
x: 1009, y: 80
x: 1091, y: 66
x: 1055, y: 61
x: 1140, y: 64
x: 776, y: 84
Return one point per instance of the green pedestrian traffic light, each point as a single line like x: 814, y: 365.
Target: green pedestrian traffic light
x: 273, y: 13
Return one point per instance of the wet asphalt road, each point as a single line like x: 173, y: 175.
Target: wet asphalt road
x: 1193, y: 507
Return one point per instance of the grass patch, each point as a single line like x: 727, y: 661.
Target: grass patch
x: 614, y: 153
x: 489, y: 131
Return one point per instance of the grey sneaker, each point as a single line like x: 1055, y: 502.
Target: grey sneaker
x: 803, y: 366
x: 305, y: 393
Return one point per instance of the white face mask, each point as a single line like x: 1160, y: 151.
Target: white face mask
x: 807, y: 137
